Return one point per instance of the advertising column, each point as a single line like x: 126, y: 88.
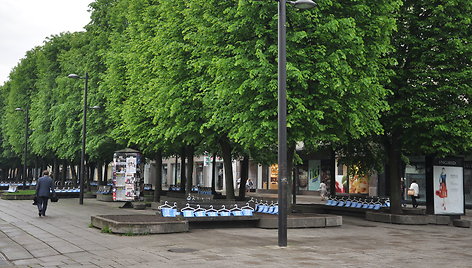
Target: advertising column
x: 126, y: 175
x: 448, y: 183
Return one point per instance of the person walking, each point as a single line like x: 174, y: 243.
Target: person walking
x: 44, y: 188
x: 414, y: 186
x: 249, y: 185
x: 323, y: 190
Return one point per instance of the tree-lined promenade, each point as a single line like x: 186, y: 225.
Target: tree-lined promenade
x: 372, y: 80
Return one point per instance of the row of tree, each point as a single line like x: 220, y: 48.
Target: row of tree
x: 366, y: 78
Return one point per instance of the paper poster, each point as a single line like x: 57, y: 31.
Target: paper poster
x: 131, y: 165
x: 448, y: 186
x: 120, y: 180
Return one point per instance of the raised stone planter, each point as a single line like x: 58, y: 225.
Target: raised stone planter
x: 17, y: 197
x: 105, y: 197
x: 396, y: 218
x: 301, y: 221
x: 139, y: 206
x: 461, y: 223
x: 410, y: 219
x: 414, y: 211
x: 439, y: 219
x: 90, y: 195
x: 140, y: 224
x: 379, y: 217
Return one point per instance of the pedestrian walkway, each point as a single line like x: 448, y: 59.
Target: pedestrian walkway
x: 64, y: 239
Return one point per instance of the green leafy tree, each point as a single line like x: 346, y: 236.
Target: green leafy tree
x: 430, y: 105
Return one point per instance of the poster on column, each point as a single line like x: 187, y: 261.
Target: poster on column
x: 131, y: 164
x: 314, y: 167
x: 448, y: 183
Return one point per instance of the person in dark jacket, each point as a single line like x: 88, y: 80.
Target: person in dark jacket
x: 44, y: 188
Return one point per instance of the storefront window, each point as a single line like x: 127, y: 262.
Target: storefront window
x: 416, y: 171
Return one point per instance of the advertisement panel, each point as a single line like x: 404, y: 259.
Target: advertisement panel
x: 274, y: 172
x: 448, y: 183
x: 359, y: 184
x: 314, y: 167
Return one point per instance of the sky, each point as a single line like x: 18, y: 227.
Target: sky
x: 25, y: 24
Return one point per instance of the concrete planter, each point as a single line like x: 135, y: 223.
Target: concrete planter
x: 17, y: 197
x: 142, y: 224
x: 139, y: 205
x: 90, y: 195
x: 397, y: 218
x: 105, y: 197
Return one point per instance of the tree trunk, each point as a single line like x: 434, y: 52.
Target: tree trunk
x: 394, y: 151
x: 158, y: 185
x: 64, y: 172
x: 175, y: 170
x: 74, y: 175
x: 244, y: 177
x: 55, y: 169
x: 91, y: 174
x: 190, y: 153
x: 183, y: 178
x: 332, y: 171
x: 227, y: 163
x: 100, y: 174
x: 296, y: 177
x: 213, y: 175
x: 429, y: 184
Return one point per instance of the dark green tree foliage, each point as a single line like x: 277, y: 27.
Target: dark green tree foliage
x: 430, y: 105
x: 336, y: 65
x: 195, y: 73
x: 17, y: 93
x: 433, y: 86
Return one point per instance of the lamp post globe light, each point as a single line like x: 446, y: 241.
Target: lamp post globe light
x: 84, y: 126
x: 25, y: 153
x: 282, y: 116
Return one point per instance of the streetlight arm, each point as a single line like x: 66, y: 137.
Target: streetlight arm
x: 302, y: 4
x: 75, y: 76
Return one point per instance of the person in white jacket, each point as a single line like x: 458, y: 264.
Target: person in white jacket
x: 323, y: 191
x: 414, y: 186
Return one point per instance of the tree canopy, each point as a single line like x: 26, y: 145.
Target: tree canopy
x: 198, y: 74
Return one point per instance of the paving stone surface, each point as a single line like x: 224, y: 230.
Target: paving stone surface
x: 64, y: 239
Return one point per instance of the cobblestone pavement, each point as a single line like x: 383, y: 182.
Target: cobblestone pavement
x: 64, y: 239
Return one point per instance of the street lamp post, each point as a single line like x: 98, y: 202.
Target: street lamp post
x: 84, y: 129
x: 282, y: 116
x: 25, y: 153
